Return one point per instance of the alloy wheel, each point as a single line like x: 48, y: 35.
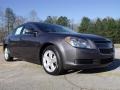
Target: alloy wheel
x: 50, y: 61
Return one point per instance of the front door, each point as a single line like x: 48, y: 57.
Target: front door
x: 29, y: 44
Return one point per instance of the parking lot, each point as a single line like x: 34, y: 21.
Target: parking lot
x: 21, y: 75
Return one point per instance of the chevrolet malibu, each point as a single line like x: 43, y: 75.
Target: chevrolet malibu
x: 57, y: 48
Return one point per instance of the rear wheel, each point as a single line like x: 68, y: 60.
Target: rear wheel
x: 7, y: 54
x: 51, y: 61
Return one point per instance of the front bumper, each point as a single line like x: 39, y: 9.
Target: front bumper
x: 88, y: 58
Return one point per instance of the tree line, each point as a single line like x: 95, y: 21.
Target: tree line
x: 107, y: 27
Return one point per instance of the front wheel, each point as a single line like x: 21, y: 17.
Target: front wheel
x: 51, y: 61
x: 7, y: 55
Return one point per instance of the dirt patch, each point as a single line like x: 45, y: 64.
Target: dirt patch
x: 1, y: 49
x: 117, y: 45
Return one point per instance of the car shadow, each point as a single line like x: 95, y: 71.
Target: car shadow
x: 115, y: 64
x: 15, y: 59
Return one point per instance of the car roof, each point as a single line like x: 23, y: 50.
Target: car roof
x: 40, y: 23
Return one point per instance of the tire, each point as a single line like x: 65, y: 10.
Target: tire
x: 51, y: 61
x: 7, y: 55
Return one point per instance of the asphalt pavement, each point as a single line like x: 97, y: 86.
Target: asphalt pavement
x: 22, y: 75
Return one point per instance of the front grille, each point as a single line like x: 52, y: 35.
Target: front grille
x: 106, y: 51
x: 105, y: 47
x: 105, y: 61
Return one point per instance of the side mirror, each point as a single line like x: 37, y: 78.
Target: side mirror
x: 35, y: 33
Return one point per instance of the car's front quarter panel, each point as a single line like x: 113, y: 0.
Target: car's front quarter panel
x: 66, y: 51
x: 72, y: 57
x: 81, y: 58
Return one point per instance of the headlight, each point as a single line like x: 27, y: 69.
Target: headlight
x: 77, y: 42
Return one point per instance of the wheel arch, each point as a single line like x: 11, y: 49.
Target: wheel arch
x: 4, y: 46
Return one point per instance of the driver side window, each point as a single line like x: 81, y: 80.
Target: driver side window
x: 27, y: 31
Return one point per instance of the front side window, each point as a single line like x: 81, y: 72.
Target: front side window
x: 18, y: 31
x: 27, y: 30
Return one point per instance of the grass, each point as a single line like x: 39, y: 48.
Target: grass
x: 117, y: 45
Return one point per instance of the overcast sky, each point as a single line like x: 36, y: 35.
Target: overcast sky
x: 73, y: 9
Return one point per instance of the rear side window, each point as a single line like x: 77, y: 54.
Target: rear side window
x: 18, y: 31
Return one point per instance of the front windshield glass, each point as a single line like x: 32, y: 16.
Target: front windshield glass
x: 54, y: 28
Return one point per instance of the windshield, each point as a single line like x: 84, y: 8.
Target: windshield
x: 54, y: 28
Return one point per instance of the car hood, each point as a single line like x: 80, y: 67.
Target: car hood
x: 84, y: 36
x: 93, y: 37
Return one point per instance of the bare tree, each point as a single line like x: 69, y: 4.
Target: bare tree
x: 2, y: 20
x: 72, y: 24
x: 19, y: 20
x: 10, y: 18
x: 33, y: 16
x: 2, y: 25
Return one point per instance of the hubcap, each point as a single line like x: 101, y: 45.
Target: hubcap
x: 6, y: 53
x: 50, y: 61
